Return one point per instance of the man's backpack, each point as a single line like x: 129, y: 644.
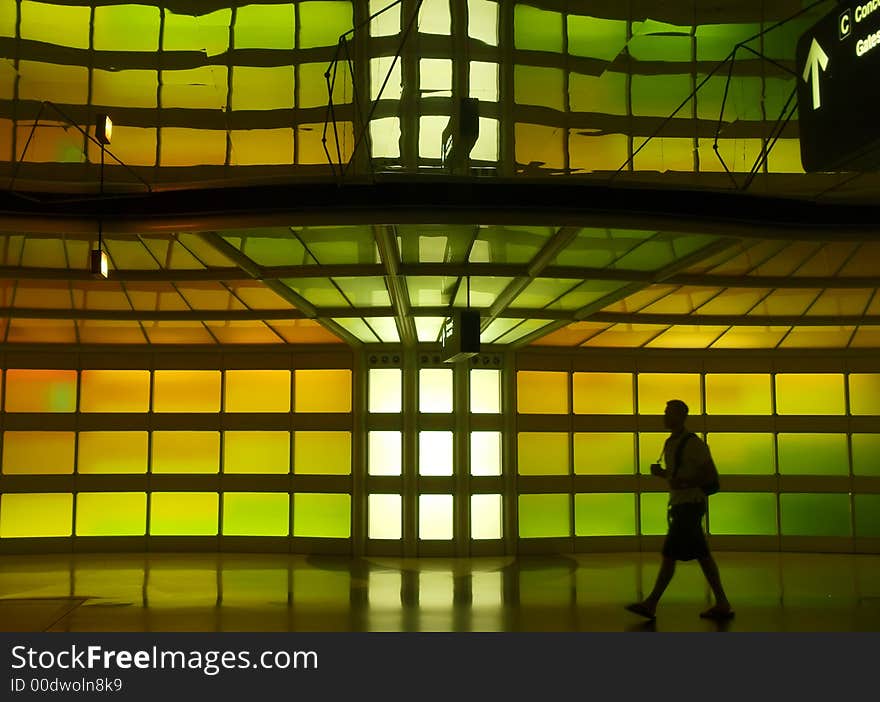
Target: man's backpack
x: 712, y: 483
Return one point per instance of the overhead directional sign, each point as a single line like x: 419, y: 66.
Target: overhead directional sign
x: 838, y: 68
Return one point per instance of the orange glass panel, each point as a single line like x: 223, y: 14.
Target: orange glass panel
x: 115, y: 391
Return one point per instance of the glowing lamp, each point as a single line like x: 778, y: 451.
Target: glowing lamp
x: 104, y: 129
x: 98, y: 263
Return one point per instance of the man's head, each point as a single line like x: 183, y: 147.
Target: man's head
x: 675, y: 415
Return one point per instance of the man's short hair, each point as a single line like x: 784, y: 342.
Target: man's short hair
x: 678, y: 406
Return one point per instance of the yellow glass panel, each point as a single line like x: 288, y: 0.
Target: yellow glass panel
x: 184, y: 513
x: 257, y: 391
x: 605, y: 93
x: 385, y: 393
x: 322, y: 452
x: 384, y: 514
x: 202, y: 32
x: 435, y: 390
x: 321, y: 515
x: 259, y: 88
x: 813, y: 454
x: 738, y: 393
x: 115, y: 391
x: 40, y: 390
x: 799, y: 512
x: 186, y: 391
x: 542, y: 453
x: 435, y: 453
x: 186, y: 452
x: 256, y: 452
x: 603, y: 393
x: 485, y: 391
x: 312, y: 86
x: 605, y: 453
x: 810, y: 393
x: 38, y: 452
x: 592, y: 151
x: 541, y: 392
x: 126, y: 28
x: 258, y: 146
x: 435, y: 517
x: 204, y: 87
x: 384, y: 453
x: 322, y: 23
x: 538, y: 86
x: 35, y: 515
x: 486, y: 517
x: 264, y: 27
x: 485, y: 453
x: 742, y: 454
x: 112, y: 452
x: 544, y: 516
x: 664, y: 154
x: 192, y: 147
x: 604, y: 514
x: 864, y: 393
x: 650, y: 445
x: 124, y: 89
x: 38, y: 331
x: 111, y: 514
x: 656, y: 389
x: 56, y: 83
x: 64, y: 25
x: 866, y: 454
x: 539, y: 146
x: 256, y: 514
x: 322, y: 390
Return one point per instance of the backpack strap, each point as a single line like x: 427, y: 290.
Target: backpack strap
x: 679, y: 451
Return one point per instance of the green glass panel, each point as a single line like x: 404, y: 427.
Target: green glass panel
x: 597, y: 248
x: 542, y: 453
x: 659, y: 96
x: 357, y: 327
x: 605, y: 514
x: 274, y: 248
x: 866, y: 454
x: 542, y: 392
x: 64, y: 25
x: 743, y: 513
x: 311, y: 87
x: 649, y: 256
x: 365, y: 292
x: 322, y: 515
x: 496, y: 244
x: 431, y: 291
x: 262, y: 88
x: 428, y: 328
x: 542, y: 291
x: 604, y: 453
x: 256, y: 514
x: 584, y: 294
x: 867, y: 515
x: 257, y: 391
x: 208, y: 33
x: 322, y: 23
x: 716, y: 41
x: 525, y: 328
x: 538, y: 30
x: 653, y: 506
x: 810, y: 393
x: 111, y: 513
x: 605, y: 94
x: 656, y: 389
x: 264, y: 27
x: 322, y: 452
x: 603, y: 393
x: 742, y: 454
x: 388, y: 22
x: 483, y: 291
x: 544, y: 516
x: 813, y: 454
x: 864, y: 393
x: 743, y: 102
x: 486, y: 517
x: 434, y: 17
x: 35, y: 514
x: 595, y: 37
x: 534, y: 85
x: 332, y: 245
x: 256, y: 452
x: 738, y: 393
x: 434, y: 243
x: 126, y: 28
x: 184, y: 513
x: 815, y: 514
x: 319, y: 291
x: 660, y: 41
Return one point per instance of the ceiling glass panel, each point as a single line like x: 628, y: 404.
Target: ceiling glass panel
x: 734, y: 301
x: 683, y: 336
x: 750, y: 338
x: 649, y: 256
x: 103, y: 295
x: 270, y: 247
x: 828, y: 260
x: 720, y: 258
x: 586, y: 293
x: 42, y: 252
x: 47, y: 294
x: 332, y: 245
x: 428, y: 328
x: 835, y: 301
x: 866, y: 262
x: 497, y: 328
x: 177, y: 333
x: 571, y: 335
x: 817, y: 338
x: 527, y: 327
x: 243, y: 332
x: 430, y: 291
x: 684, y: 300
x: 155, y: 296
x: 208, y: 296
x: 319, y: 291
x: 542, y: 291
x: 206, y: 254
x: 365, y: 292
x: 304, y: 331
x: 358, y: 327
x: 497, y: 244
x: 638, y: 300
x: 172, y: 255
x: 257, y: 296
x: 101, y: 331
x: 598, y: 248
x: 11, y: 249
x: 40, y: 331
x: 746, y: 261
x: 129, y: 254
x: 483, y: 291
x: 385, y: 327
x: 788, y: 260
x: 626, y: 335
x: 786, y: 302
x: 874, y: 307
x: 866, y: 337
x: 435, y: 243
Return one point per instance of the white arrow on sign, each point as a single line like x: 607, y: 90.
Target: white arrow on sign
x: 815, y: 59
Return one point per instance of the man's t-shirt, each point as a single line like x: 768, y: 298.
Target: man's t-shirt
x: 693, y: 458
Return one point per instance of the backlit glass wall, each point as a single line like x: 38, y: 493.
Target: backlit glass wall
x: 796, y: 450
x: 179, y: 451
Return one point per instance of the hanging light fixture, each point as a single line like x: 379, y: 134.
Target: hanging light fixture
x: 98, y: 264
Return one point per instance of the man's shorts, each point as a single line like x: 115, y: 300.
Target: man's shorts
x: 685, y: 540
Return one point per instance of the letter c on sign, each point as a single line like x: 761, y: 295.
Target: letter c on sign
x: 844, y: 25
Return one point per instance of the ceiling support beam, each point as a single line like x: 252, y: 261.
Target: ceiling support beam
x: 386, y: 240
x: 253, y: 270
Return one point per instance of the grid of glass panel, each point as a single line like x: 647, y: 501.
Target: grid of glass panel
x: 304, y: 420
x: 631, y: 401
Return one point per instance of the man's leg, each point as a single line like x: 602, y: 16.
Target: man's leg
x: 710, y: 570
x: 664, y: 577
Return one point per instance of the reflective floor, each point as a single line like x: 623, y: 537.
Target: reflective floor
x: 249, y: 592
